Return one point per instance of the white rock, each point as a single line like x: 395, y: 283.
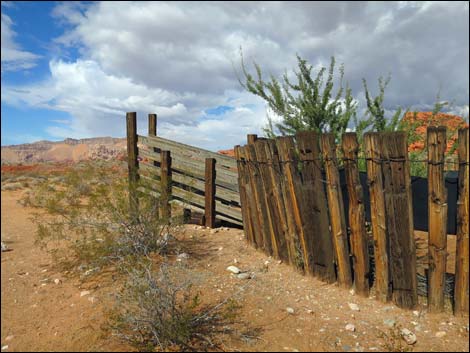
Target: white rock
x: 4, y: 248
x: 213, y: 231
x: 290, y: 310
x: 350, y: 327
x: 183, y: 256
x: 244, y: 276
x: 352, y: 291
x: 92, y: 299
x: 235, y: 261
x: 234, y: 269
x: 353, y: 306
x: 57, y: 281
x: 415, y: 312
x: 84, y: 292
x: 4, y: 348
x: 440, y: 334
x: 408, y: 336
x: 221, y: 248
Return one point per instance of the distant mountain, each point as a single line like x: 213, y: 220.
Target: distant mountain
x: 69, y: 150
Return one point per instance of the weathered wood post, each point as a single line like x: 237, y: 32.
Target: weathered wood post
x: 209, y: 194
x: 337, y: 218
x: 152, y: 124
x: 165, y: 182
x: 399, y: 210
x: 437, y: 217
x: 132, y: 163
x: 461, y: 290
x: 357, y: 220
x: 378, y: 216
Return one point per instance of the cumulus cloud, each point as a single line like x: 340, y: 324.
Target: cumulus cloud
x: 13, y: 58
x: 176, y: 59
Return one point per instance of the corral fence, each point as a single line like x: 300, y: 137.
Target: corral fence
x: 293, y: 209
x: 174, y: 172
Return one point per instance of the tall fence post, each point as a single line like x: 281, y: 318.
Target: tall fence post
x: 461, y: 297
x: 132, y: 163
x: 357, y: 220
x: 378, y: 216
x: 152, y: 124
x: 437, y: 217
x: 165, y: 182
x: 337, y: 217
x: 209, y: 194
x: 399, y: 210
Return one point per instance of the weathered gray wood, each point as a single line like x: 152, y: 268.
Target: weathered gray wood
x: 357, y: 219
x: 166, y: 184
x: 133, y: 168
x: 398, y: 198
x: 319, y: 240
x: 152, y: 124
x: 188, y: 151
x: 382, y: 282
x: 210, y: 193
x: 437, y: 217
x: 336, y: 208
x: 461, y: 297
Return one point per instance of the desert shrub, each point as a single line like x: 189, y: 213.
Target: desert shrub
x: 159, y: 310
x: 95, y: 221
x: 12, y: 186
x: 392, y: 341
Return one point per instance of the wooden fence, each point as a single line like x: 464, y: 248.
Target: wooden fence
x: 292, y: 208
x: 198, y: 179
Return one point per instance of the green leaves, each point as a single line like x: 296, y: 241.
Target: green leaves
x: 306, y: 103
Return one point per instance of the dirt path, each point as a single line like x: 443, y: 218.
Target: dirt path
x: 39, y: 315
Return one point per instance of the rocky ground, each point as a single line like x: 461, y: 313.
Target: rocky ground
x: 44, y: 309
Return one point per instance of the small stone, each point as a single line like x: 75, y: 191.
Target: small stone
x: 244, y: 276
x: 352, y: 291
x: 221, y: 248
x: 234, y: 269
x: 290, y: 311
x: 350, y: 327
x: 92, y: 299
x: 57, y: 281
x: 440, y: 334
x: 5, y: 347
x: 389, y: 322
x: 235, y: 261
x: 182, y: 256
x: 269, y: 298
x: 4, y: 248
x: 213, y: 231
x: 84, y: 292
x: 415, y: 312
x: 408, y: 336
x: 353, y: 306
x: 309, y: 311
x: 279, y: 262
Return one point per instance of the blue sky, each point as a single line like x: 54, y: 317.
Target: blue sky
x: 72, y: 69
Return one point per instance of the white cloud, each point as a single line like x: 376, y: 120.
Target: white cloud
x: 175, y: 59
x: 13, y: 58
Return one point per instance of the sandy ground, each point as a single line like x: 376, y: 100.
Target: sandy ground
x: 39, y: 315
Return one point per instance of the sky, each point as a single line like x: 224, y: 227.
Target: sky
x: 73, y: 69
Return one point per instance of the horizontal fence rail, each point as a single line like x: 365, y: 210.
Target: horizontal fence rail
x: 187, y: 171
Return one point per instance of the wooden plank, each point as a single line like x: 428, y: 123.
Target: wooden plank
x: 245, y: 195
x: 437, y: 217
x: 275, y: 229
x: 165, y: 182
x: 224, y: 178
x: 319, y: 238
x: 258, y: 191
x: 398, y: 198
x: 336, y: 207
x: 461, y: 297
x: 209, y: 194
x: 357, y: 219
x: 188, y: 151
x: 279, y: 211
x: 296, y: 242
x: 382, y: 281
x: 133, y: 168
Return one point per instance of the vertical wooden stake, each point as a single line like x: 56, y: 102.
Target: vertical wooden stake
x: 461, y: 297
x: 399, y: 210
x: 357, y: 220
x: 251, y: 138
x: 165, y: 184
x: 152, y: 124
x: 210, y: 193
x: 132, y: 163
x: 337, y: 218
x: 378, y: 216
x: 437, y: 217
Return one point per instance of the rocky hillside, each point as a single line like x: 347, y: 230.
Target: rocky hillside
x: 72, y: 150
